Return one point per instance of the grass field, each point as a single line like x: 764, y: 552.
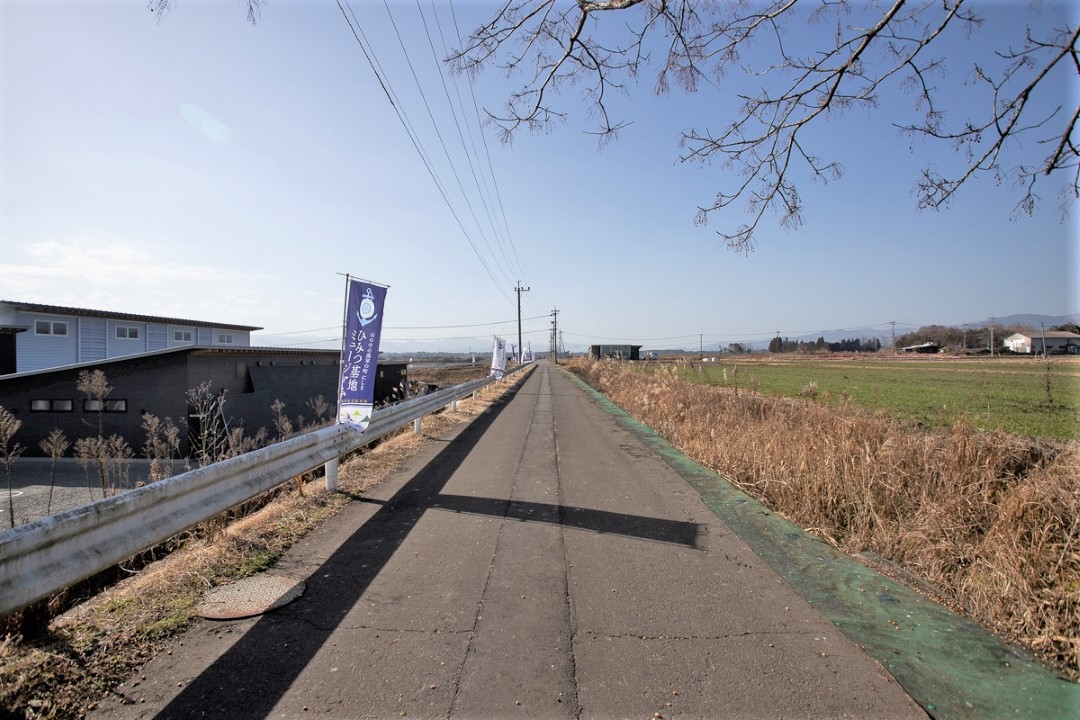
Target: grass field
x: 1000, y: 393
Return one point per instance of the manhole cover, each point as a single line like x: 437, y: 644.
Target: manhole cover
x: 251, y: 596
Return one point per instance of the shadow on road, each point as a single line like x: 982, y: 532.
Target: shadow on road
x: 251, y: 677
x: 598, y: 521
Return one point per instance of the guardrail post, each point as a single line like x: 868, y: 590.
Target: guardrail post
x: 330, y: 470
x: 416, y: 426
x: 453, y: 406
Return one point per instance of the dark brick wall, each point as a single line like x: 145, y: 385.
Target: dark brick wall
x: 153, y: 384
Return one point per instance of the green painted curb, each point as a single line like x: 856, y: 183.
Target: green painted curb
x: 951, y: 666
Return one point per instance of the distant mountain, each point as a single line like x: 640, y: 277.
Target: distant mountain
x: 1031, y: 321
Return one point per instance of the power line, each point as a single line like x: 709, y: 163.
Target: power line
x: 483, y: 138
x: 479, y: 125
x: 461, y: 137
x: 357, y: 33
x: 438, y: 134
x: 451, y: 327
x: 410, y: 327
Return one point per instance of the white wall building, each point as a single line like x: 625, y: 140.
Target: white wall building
x: 1057, y: 341
x: 35, y: 336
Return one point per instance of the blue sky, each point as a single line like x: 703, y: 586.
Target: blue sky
x: 201, y: 167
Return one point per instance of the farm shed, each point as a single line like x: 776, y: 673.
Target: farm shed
x: 616, y: 352
x: 157, y: 383
x: 926, y: 347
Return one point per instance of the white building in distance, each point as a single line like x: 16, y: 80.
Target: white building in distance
x: 1057, y: 342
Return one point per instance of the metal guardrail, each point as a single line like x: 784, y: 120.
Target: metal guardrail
x: 49, y: 554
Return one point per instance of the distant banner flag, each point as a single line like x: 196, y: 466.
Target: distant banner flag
x: 498, y: 358
x: 360, y: 352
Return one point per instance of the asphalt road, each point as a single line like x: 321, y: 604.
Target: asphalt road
x: 542, y: 562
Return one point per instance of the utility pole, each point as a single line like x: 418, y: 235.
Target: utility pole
x: 555, y: 335
x: 893, y: 323
x: 519, y: 290
x: 991, y: 336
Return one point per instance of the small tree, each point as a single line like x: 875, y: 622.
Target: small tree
x: 320, y: 407
x: 95, y: 386
x: 209, y: 441
x: 91, y: 454
x: 9, y: 425
x: 237, y: 443
x: 162, y: 443
x: 107, y: 456
x: 54, y: 446
x: 282, y: 424
x: 118, y: 453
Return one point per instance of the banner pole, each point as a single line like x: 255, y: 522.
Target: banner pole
x: 330, y: 470
x: 357, y: 277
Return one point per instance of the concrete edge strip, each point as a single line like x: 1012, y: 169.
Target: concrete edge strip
x: 950, y: 665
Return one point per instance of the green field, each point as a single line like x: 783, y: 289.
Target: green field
x: 993, y: 393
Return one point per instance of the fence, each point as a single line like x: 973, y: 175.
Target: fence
x: 47, y: 555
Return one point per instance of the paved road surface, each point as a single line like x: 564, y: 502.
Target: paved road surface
x: 542, y: 563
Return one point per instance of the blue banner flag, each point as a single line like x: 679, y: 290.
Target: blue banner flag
x: 360, y: 352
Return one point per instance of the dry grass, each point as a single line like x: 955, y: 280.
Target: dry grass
x: 449, y: 375
x: 87, y: 652
x: 990, y: 519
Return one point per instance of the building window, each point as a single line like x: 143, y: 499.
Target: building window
x: 52, y: 405
x: 125, y: 332
x: 224, y: 338
x: 181, y: 336
x: 49, y: 327
x: 111, y: 406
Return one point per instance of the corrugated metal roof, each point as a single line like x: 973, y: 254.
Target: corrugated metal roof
x: 87, y: 312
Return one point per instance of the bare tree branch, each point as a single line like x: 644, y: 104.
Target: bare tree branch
x: 1007, y: 119
x: 162, y: 8
x: 703, y: 40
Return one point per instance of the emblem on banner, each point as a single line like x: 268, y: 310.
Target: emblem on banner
x: 367, y: 308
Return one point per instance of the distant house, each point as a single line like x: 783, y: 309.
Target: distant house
x: 250, y: 378
x: 35, y: 336
x: 1057, y: 341
x: 616, y: 352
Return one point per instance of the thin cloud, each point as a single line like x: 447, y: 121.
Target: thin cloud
x: 109, y: 274
x: 206, y: 124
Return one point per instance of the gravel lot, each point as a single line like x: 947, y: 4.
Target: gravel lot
x: 31, y: 481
